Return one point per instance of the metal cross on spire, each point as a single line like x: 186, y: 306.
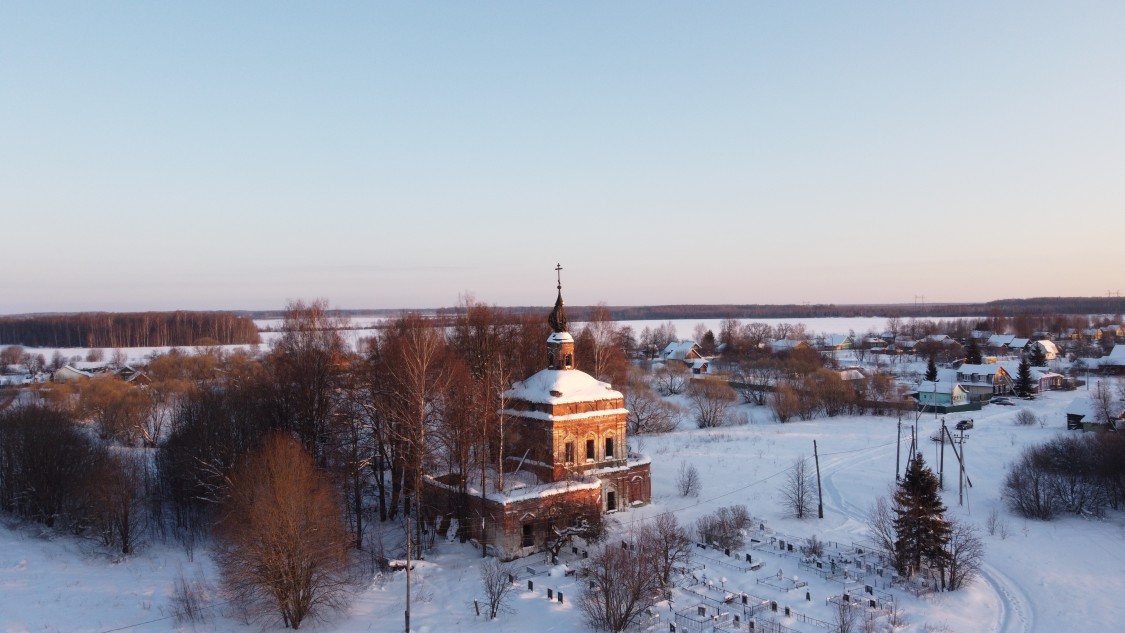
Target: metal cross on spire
x: 558, y: 272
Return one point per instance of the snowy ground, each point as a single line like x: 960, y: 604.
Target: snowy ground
x: 1064, y: 575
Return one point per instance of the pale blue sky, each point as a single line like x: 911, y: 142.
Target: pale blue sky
x: 236, y: 155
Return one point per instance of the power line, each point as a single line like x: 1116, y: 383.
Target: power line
x: 750, y: 485
x: 167, y: 617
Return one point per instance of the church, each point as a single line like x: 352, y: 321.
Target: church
x: 565, y: 456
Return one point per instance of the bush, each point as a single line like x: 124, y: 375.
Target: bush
x: 724, y: 527
x: 1026, y: 418
x: 687, y: 481
x: 712, y: 402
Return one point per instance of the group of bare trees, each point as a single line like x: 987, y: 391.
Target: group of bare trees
x: 229, y: 448
x: 624, y: 581
x: 53, y: 473
x: 1079, y: 474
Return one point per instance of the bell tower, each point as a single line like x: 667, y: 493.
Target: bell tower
x: 560, y: 344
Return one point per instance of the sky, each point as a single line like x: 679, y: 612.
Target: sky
x: 214, y: 155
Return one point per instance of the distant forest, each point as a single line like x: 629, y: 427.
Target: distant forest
x: 1003, y: 307
x: 128, y: 329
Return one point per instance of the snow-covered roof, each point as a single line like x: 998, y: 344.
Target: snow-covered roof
x: 1000, y: 340
x: 68, y: 369
x: 927, y: 386
x: 560, y: 337
x: 983, y: 370
x: 786, y: 344
x: 937, y: 338
x: 1115, y: 357
x: 678, y: 350
x: 1049, y: 347
x: 1018, y: 343
x: 561, y: 386
x: 1083, y: 406
x: 1037, y: 373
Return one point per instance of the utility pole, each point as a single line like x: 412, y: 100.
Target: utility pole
x: 408, y: 552
x: 941, y: 463
x: 898, y: 451
x: 819, y: 493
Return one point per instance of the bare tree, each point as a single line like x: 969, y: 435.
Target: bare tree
x: 496, y: 579
x: 306, y: 367
x: 113, y: 497
x: 712, y: 402
x: 648, y: 412
x: 797, y: 489
x: 597, y: 347
x: 688, y: 483
x: 414, y: 350
x: 668, y: 543
x: 117, y: 408
x: 671, y: 378
x: 1105, y: 403
x: 881, y: 526
x: 843, y: 616
x: 965, y: 554
x: 269, y: 563
x: 622, y: 584
x: 724, y: 527
x: 755, y: 379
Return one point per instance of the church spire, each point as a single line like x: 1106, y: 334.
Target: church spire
x: 560, y: 345
x: 557, y: 318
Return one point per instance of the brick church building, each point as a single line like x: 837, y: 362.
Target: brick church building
x: 566, y: 458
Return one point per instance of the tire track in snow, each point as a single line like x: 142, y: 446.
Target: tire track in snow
x: 1016, y: 615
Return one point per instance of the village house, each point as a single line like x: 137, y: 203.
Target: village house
x: 565, y: 457
x: 1082, y: 414
x: 1049, y: 349
x: 984, y: 381
x: 941, y: 395
x: 1042, y: 379
x: 835, y: 342
x: 787, y: 345
x: 686, y: 352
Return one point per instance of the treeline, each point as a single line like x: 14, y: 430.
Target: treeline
x: 1006, y: 307
x: 129, y: 329
x: 1056, y: 305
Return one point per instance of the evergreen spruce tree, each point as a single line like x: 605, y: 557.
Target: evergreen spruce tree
x: 973, y: 355
x: 1024, y: 385
x: 931, y: 370
x: 1038, y: 357
x: 921, y: 531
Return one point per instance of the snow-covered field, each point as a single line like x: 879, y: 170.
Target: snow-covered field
x: 1058, y: 576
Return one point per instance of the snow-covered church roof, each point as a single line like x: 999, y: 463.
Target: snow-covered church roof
x: 562, y: 386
